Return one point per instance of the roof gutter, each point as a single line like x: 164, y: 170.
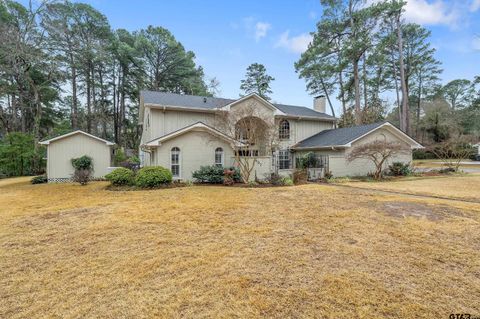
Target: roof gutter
x: 313, y: 118
x: 311, y: 148
x: 179, y: 108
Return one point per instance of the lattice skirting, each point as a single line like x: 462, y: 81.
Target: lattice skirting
x: 60, y: 180
x: 70, y: 180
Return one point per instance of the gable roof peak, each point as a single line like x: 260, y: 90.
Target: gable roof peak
x: 210, y: 103
x: 47, y: 142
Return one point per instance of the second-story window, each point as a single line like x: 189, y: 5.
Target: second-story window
x: 284, y: 130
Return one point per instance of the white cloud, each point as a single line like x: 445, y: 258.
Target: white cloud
x: 430, y: 12
x: 312, y: 15
x: 253, y: 28
x: 296, y: 44
x: 475, y: 5
x: 476, y: 44
x: 261, y: 29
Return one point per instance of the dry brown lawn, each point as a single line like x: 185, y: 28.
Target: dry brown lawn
x: 466, y: 187
x: 322, y: 251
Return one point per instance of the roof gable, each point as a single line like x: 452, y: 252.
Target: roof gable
x: 257, y: 97
x: 210, y: 104
x: 344, y: 137
x: 199, y: 126
x: 47, y: 142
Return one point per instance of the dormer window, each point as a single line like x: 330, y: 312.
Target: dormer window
x: 284, y: 130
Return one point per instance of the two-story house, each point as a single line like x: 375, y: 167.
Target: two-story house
x: 183, y: 132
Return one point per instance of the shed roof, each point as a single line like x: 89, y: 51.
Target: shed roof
x: 47, y: 142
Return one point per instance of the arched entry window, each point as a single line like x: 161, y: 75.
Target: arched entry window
x: 175, y: 161
x: 284, y: 130
x: 219, y: 157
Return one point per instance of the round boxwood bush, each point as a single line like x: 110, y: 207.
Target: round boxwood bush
x: 121, y: 176
x: 153, y: 176
x: 39, y: 179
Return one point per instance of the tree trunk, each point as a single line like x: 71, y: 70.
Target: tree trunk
x: 397, y: 91
x: 103, y: 108
x: 419, y: 104
x: 342, y: 97
x: 14, y: 112
x: 36, y: 124
x: 365, y: 84
x: 356, y: 78
x: 74, y: 111
x: 115, y: 108
x: 405, y: 112
x: 89, y: 101
x: 328, y: 99
x: 94, y: 104
x: 122, y: 105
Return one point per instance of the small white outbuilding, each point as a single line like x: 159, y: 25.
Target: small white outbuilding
x: 61, y: 150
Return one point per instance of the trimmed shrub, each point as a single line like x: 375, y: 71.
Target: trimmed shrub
x: 307, y: 160
x: 119, y: 157
x: 300, y: 176
x: 84, y: 162
x: 214, y: 174
x: 328, y: 175
x: 400, y: 169
x: 287, y: 181
x: 447, y: 170
x: 209, y: 174
x: 228, y: 177
x: 423, y: 154
x: 121, y: 176
x: 83, y: 169
x: 273, y: 178
x: 42, y: 179
x: 153, y: 176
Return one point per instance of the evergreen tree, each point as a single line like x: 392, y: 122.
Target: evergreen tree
x: 257, y: 81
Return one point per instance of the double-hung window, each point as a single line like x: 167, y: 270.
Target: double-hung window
x: 175, y: 162
x: 284, y: 159
x: 284, y: 130
x: 219, y: 157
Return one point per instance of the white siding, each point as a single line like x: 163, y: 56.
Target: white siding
x: 196, y: 149
x: 339, y: 166
x: 159, y: 122
x: 166, y: 122
x: 302, y: 129
x: 60, y: 153
x: 306, y: 128
x: 362, y: 167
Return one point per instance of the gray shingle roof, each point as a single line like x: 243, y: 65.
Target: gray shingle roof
x: 336, y: 137
x: 209, y: 103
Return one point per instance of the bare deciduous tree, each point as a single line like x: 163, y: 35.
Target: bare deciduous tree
x: 452, y: 151
x: 378, y: 152
x: 252, y: 131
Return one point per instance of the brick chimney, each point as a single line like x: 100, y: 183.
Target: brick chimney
x: 319, y: 103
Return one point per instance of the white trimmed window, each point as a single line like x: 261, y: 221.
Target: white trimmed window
x: 175, y: 161
x: 219, y: 157
x: 284, y: 159
x: 284, y: 130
